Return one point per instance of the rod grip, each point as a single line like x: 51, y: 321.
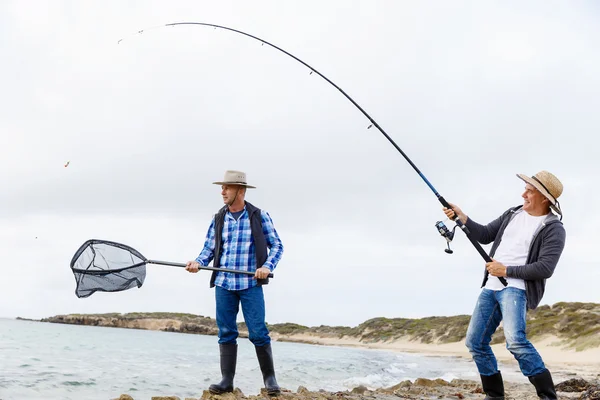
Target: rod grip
x: 201, y: 267
x: 478, y: 247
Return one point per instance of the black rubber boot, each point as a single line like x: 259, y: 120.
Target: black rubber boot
x: 544, y: 385
x: 228, y: 362
x: 265, y: 360
x: 493, y: 386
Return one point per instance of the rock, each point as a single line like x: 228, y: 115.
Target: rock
x: 165, y: 398
x: 464, y: 383
x: 392, y: 389
x: 430, y: 383
x: 424, y: 382
x: 573, y: 385
x: 592, y: 393
x: 359, y: 390
x: 478, y: 389
x: 282, y: 392
x: 235, y: 395
x: 302, y: 390
x: 421, y: 389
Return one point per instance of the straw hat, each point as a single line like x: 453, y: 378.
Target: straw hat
x: 235, y: 178
x: 548, y: 185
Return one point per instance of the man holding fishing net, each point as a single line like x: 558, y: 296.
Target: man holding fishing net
x: 528, y: 241
x: 242, y: 237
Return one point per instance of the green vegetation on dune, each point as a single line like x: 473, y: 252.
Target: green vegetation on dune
x: 577, y: 325
x: 426, y: 330
x: 286, y: 328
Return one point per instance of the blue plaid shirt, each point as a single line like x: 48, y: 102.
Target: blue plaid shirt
x: 238, y: 250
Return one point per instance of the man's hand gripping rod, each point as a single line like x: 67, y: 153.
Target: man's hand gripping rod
x: 462, y: 226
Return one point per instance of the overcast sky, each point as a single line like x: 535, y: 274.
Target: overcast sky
x: 473, y: 92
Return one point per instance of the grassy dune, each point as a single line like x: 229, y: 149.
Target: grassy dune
x: 576, y: 324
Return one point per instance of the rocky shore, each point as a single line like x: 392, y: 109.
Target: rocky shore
x: 167, y: 322
x: 420, y: 389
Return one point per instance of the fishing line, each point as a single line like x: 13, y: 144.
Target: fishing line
x: 374, y: 123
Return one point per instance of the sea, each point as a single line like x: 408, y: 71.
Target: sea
x: 40, y: 360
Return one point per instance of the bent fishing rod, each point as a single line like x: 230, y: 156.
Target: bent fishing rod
x: 441, y: 227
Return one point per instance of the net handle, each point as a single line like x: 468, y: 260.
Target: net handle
x: 174, y: 264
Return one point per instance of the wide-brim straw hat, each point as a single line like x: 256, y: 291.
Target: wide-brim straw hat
x: 235, y: 178
x: 548, y: 185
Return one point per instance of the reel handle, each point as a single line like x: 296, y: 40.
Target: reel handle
x: 478, y: 247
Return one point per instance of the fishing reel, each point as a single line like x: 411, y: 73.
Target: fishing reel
x: 446, y: 233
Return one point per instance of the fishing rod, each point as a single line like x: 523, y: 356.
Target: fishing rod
x: 442, y: 229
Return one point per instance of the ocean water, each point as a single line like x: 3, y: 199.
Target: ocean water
x: 55, y: 361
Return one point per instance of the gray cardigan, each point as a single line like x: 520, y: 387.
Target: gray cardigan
x: 544, y: 251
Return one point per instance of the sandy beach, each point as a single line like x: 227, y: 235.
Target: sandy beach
x: 560, y: 360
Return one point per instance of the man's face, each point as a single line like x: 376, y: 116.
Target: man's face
x: 533, y: 199
x: 229, y: 193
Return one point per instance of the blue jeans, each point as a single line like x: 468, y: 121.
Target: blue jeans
x: 510, y: 306
x: 253, y: 308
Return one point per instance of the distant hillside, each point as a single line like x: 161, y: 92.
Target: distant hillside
x: 577, y: 324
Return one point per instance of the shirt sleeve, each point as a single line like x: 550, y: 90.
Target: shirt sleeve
x: 207, y: 253
x: 486, y: 234
x: 273, y: 242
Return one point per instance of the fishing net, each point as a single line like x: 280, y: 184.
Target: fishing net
x: 105, y: 266
x: 101, y: 265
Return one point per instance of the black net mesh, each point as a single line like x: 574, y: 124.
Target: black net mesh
x: 100, y: 265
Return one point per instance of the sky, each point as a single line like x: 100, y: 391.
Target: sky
x: 473, y: 92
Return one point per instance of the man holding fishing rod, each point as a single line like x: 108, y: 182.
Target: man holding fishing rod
x: 243, y: 237
x: 528, y: 241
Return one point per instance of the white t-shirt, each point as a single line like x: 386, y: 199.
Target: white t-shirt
x: 514, y: 247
